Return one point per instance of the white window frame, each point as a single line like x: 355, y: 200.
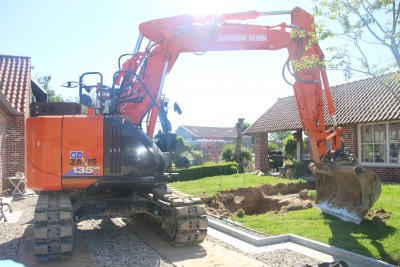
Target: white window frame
x: 376, y: 164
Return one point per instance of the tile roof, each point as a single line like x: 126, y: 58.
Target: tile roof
x: 361, y: 101
x: 15, y: 80
x: 211, y: 132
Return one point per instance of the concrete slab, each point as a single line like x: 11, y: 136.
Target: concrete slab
x: 311, y: 248
x: 205, y: 254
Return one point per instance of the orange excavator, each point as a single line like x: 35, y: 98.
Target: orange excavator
x: 109, y: 163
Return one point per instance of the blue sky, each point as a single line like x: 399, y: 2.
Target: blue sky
x: 67, y: 38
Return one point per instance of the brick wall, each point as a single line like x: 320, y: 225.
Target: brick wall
x: 261, y: 152
x: 350, y: 139
x: 3, y: 127
x: 387, y: 174
x: 12, y: 140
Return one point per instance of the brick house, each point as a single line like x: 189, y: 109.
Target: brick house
x: 369, y: 114
x: 16, y: 89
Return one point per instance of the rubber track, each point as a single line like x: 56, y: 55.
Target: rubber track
x: 184, y: 219
x: 54, y: 236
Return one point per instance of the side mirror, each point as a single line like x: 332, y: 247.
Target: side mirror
x: 177, y: 109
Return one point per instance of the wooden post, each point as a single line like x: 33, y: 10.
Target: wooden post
x: 238, y: 148
x: 299, y: 146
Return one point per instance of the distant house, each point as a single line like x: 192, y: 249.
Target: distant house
x: 15, y: 95
x: 369, y: 113
x: 197, y: 135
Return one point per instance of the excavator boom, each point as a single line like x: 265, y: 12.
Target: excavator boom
x: 342, y: 186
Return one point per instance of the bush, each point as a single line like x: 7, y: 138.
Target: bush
x: 240, y: 213
x: 272, y: 146
x: 289, y: 146
x: 186, y: 154
x: 228, y: 153
x: 197, y: 172
x: 189, y: 158
x: 296, y: 167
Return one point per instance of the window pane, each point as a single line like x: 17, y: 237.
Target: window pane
x: 379, y: 133
x: 366, y: 134
x: 394, y: 132
x: 394, y: 152
x: 367, y: 153
x: 379, y: 153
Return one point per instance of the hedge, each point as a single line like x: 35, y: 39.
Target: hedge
x: 197, y: 172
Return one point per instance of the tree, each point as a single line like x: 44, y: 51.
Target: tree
x: 245, y: 125
x: 228, y: 154
x: 277, y: 138
x: 272, y: 146
x: 211, y: 150
x: 44, y: 81
x: 289, y: 146
x: 366, y: 25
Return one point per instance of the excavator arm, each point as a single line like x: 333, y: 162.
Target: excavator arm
x: 169, y: 37
x: 141, y: 79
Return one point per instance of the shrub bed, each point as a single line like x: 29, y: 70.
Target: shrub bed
x: 197, y: 172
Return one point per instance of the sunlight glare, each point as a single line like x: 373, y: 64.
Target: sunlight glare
x: 204, y: 7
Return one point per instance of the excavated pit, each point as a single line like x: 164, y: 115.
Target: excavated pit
x: 259, y: 200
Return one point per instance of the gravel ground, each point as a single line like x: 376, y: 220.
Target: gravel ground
x: 111, y: 244
x: 11, y: 233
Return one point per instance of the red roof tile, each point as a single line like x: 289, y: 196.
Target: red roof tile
x: 15, y: 80
x: 361, y: 101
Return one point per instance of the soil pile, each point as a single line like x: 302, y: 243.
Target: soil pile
x: 258, y: 200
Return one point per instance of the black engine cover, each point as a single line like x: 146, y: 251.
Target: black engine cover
x: 130, y: 154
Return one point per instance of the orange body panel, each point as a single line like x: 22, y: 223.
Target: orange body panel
x: 82, y: 150
x: 63, y: 146
x: 43, y: 153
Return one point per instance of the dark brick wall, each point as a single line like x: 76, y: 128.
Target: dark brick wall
x: 350, y: 138
x: 387, y: 174
x: 261, y: 152
x: 3, y: 128
x: 12, y: 142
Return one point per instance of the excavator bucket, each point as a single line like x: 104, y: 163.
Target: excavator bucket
x: 345, y: 191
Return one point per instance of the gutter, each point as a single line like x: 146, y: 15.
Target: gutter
x: 8, y: 106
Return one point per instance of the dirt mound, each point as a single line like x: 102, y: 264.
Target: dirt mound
x: 258, y: 200
x: 379, y: 216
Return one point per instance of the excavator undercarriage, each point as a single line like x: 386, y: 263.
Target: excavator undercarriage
x: 178, y: 218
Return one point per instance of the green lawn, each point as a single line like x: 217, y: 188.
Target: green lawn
x: 372, y: 240
x: 210, y: 186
